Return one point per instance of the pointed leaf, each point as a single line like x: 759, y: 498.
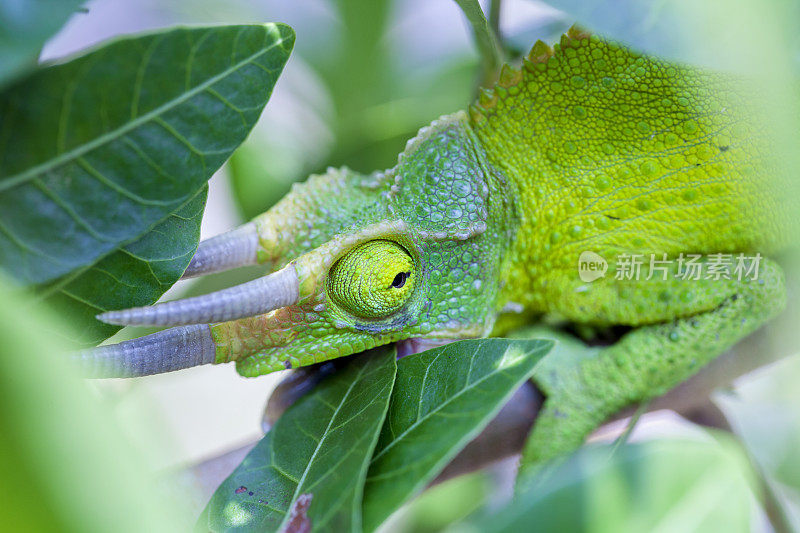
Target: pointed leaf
x: 309, y: 469
x: 97, y: 151
x: 762, y: 409
x: 442, y: 399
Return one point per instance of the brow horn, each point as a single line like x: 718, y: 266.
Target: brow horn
x: 165, y: 351
x: 238, y: 247
x: 256, y: 297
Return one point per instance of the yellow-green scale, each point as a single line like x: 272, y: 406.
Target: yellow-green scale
x: 617, y: 153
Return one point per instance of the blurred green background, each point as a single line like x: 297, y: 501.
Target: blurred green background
x: 364, y: 77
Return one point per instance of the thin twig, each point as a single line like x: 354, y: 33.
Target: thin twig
x: 622, y: 439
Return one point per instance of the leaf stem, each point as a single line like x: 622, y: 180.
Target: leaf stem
x: 485, y: 40
x: 494, y: 21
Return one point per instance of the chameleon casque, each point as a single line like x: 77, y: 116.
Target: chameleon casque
x: 588, y: 146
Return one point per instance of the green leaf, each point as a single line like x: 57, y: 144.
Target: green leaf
x: 96, y: 152
x: 134, y: 275
x: 25, y: 25
x: 443, y: 398
x: 665, y: 485
x: 311, y: 466
x: 446, y: 503
x: 485, y: 39
x: 65, y: 463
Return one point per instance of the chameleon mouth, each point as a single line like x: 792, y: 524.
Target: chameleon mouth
x: 418, y: 344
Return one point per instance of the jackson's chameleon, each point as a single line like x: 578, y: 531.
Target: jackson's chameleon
x: 587, y: 147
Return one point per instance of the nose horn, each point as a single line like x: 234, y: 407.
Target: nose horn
x: 256, y: 297
x: 165, y: 351
x: 238, y: 247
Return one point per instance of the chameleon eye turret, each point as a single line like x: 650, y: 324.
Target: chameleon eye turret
x: 374, y: 280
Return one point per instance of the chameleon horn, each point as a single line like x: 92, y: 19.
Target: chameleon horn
x: 233, y: 249
x: 256, y: 297
x: 165, y: 351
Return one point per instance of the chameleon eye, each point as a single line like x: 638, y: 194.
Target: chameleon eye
x: 374, y: 280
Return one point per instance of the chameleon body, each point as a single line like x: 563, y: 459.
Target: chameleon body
x: 586, y: 147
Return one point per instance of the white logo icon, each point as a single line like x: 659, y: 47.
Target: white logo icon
x: 591, y: 266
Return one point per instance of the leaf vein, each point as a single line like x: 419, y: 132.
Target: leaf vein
x: 61, y: 159
x: 96, y: 174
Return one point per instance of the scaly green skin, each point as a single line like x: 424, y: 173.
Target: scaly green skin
x: 648, y: 158
x: 588, y: 148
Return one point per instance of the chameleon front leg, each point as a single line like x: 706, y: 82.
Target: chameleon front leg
x: 648, y: 361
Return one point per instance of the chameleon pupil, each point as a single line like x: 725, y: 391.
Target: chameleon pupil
x: 400, y: 280
x: 373, y: 280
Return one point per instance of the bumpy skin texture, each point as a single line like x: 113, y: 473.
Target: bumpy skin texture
x: 437, y: 204
x: 650, y: 157
x: 589, y: 147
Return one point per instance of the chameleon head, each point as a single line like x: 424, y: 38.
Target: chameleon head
x: 410, y: 254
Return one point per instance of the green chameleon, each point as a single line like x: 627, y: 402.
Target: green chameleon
x: 588, y: 147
